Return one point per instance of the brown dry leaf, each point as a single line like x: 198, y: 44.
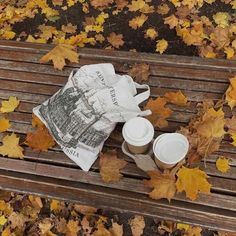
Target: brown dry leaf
x: 101, y: 231
x: 138, y: 21
x: 172, y: 21
x: 4, y: 125
x: 11, y: 147
x: 159, y: 112
x: 231, y: 93
x: 140, y: 72
x: 110, y: 166
x: 101, y: 3
x: 69, y: 28
x: 163, y: 9
x: 222, y: 164
x: 116, y: 229
x: 36, y: 122
x: 192, y: 181
x: 120, y: 4
x: 137, y: 225
x: 85, y: 226
x: 59, y: 54
x: 116, y: 40
x: 231, y: 125
x: 40, y: 140
x: 212, y: 124
x: 177, y: 98
x: 36, y: 202
x: 85, y: 210
x: 163, y: 185
x: 17, y: 220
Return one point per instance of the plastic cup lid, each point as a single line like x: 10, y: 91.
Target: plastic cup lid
x: 171, y: 148
x: 138, y: 131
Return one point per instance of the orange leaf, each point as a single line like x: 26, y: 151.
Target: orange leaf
x: 110, y: 166
x: 138, y: 21
x: 163, y: 185
x: 36, y: 122
x: 116, y: 40
x: 222, y: 164
x: 163, y: 9
x: 140, y: 72
x: 101, y: 231
x: 59, y: 54
x: 192, y: 181
x: 159, y: 112
x: 4, y: 125
x: 40, y: 140
x: 176, y: 98
x: 231, y: 93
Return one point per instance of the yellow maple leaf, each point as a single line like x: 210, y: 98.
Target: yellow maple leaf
x: 8, y: 34
x: 136, y: 5
x: 222, y: 164
x: 4, y: 125
x: 182, y: 226
x: 212, y: 124
x: 138, y: 21
x: 110, y: 166
x: 163, y: 185
x: 229, y: 52
x: 11, y: 147
x: 230, y: 95
x: 31, y: 39
x: 73, y: 227
x: 222, y: 19
x: 233, y: 4
x: 10, y: 105
x: 192, y: 181
x: 59, y: 54
x: 172, y: 21
x: 151, y: 33
x: 177, y: 98
x: 159, y: 112
x: 7, y: 232
x: 3, y: 220
x: 163, y: 9
x: 193, y: 231
x: 161, y: 45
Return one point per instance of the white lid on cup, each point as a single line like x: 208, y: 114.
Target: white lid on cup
x: 138, y: 131
x: 171, y: 148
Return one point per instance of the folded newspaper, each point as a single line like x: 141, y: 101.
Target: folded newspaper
x: 82, y: 114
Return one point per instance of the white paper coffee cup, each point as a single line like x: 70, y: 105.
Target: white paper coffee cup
x: 169, y: 149
x: 138, y: 133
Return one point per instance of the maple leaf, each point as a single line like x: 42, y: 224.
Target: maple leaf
x: 116, y: 40
x: 222, y: 19
x: 40, y: 140
x: 110, y: 166
x: 171, y: 20
x: 163, y: 185
x: 4, y: 125
x: 45, y: 227
x: 17, y: 220
x: 3, y: 220
x: 137, y: 225
x: 163, y: 9
x: 85, y: 226
x: 73, y: 228
x: 231, y: 93
x: 161, y: 45
x: 151, y: 33
x: 120, y: 4
x: 159, y: 112
x: 116, y: 229
x: 138, y: 21
x: 10, y: 105
x: 100, y: 3
x: 36, y: 201
x: 140, y: 72
x: 192, y: 181
x: 222, y: 164
x: 212, y: 124
x: 136, y: 5
x: 193, y: 231
x: 229, y: 52
x: 177, y: 98
x: 101, y: 231
x: 36, y: 122
x: 59, y: 54
x: 11, y: 147
x: 69, y: 28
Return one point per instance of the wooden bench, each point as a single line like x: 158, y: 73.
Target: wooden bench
x: 53, y: 174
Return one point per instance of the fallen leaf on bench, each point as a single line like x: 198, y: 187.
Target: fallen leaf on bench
x: 163, y: 185
x: 101, y: 231
x: 222, y: 164
x: 192, y: 181
x: 140, y: 72
x: 11, y: 147
x: 110, y: 166
x: 177, y: 98
x: 189, y: 230
x: 36, y: 122
x: 137, y: 225
x: 73, y: 228
x: 116, y: 229
x: 3, y: 220
x: 45, y: 227
x: 40, y: 140
x: 10, y: 105
x: 59, y: 54
x: 159, y: 112
x: 230, y: 95
x: 231, y: 125
x: 4, y: 125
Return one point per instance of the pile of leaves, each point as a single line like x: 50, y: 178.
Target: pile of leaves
x: 102, y: 24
